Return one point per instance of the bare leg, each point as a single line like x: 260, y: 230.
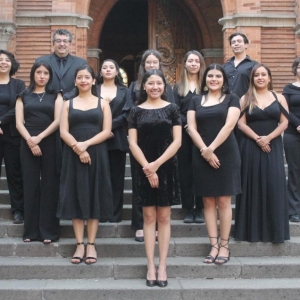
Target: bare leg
x: 210, y: 214
x: 164, y: 233
x: 149, y: 214
x: 78, y: 227
x: 225, y: 215
x: 92, y: 228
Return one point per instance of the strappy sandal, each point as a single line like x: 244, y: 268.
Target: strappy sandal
x: 209, y: 259
x: 90, y: 257
x: 79, y: 259
x: 220, y: 260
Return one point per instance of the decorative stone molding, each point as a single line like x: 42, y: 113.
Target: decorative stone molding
x: 7, y: 29
x: 93, y: 52
x: 297, y: 29
x: 258, y: 20
x: 53, y: 19
x: 212, y: 52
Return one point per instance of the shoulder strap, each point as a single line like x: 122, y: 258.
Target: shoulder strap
x: 282, y: 109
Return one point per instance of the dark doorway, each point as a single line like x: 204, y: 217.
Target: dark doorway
x: 125, y: 34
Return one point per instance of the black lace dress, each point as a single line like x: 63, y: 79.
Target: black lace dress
x: 154, y: 130
x: 262, y: 208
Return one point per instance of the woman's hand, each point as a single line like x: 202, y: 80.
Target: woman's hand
x: 1, y: 131
x: 214, y: 161
x: 186, y: 127
x: 36, y: 150
x: 85, y: 158
x: 153, y: 180
x: 207, y: 153
x: 111, y: 135
x: 298, y: 129
x: 33, y: 140
x: 266, y: 148
x: 80, y: 147
x: 150, y: 169
x: 262, y: 141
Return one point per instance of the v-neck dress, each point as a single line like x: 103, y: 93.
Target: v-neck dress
x: 262, y: 208
x: 85, y: 190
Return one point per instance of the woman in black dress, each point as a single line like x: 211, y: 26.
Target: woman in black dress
x: 185, y: 89
x: 10, y: 139
x: 151, y: 60
x: 262, y: 208
x: 211, y: 120
x: 112, y: 90
x: 37, y: 118
x: 154, y: 138
x: 85, y: 189
x: 291, y: 141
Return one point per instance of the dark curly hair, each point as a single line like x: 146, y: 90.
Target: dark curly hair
x: 14, y: 63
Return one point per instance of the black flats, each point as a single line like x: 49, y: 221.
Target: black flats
x: 162, y: 283
x: 150, y: 283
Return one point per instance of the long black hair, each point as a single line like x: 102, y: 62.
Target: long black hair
x: 143, y: 95
x: 91, y: 71
x: 32, y: 83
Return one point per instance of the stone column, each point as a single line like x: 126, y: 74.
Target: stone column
x: 93, y: 58
x: 7, y: 30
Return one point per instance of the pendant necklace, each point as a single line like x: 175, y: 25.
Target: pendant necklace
x: 40, y: 97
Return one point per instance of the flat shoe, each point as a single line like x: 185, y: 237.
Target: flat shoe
x: 150, y: 283
x: 139, y: 239
x: 162, y: 283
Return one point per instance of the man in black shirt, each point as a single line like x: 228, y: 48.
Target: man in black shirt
x: 238, y: 67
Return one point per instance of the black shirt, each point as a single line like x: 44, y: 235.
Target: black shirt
x: 239, y: 76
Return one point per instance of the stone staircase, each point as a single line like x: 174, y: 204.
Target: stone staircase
x: 34, y: 271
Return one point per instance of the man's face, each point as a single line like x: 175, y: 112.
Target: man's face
x: 238, y: 45
x: 61, y: 45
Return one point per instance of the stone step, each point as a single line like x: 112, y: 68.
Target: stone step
x: 127, y: 247
x: 123, y: 229
x: 135, y: 289
x: 119, y: 268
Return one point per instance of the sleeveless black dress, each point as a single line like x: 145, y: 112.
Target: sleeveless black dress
x: 85, y: 190
x: 262, y: 208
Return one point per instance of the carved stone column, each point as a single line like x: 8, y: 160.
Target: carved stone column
x: 93, y: 58
x: 7, y: 29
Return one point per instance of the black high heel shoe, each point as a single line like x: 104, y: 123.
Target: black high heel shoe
x: 78, y: 259
x: 209, y: 259
x: 150, y: 283
x: 220, y: 260
x: 91, y: 257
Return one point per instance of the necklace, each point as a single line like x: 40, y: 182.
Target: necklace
x: 40, y: 97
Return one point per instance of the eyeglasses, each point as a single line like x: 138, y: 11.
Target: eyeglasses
x: 61, y: 41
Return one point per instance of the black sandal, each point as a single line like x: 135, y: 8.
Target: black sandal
x: 223, y: 259
x: 90, y: 257
x: 79, y: 259
x: 210, y: 257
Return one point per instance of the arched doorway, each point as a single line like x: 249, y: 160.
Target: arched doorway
x: 123, y: 29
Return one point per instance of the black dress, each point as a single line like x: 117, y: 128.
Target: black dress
x: 85, y: 190
x: 225, y: 181
x: 262, y: 208
x: 154, y: 131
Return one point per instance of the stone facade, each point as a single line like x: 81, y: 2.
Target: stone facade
x: 273, y: 29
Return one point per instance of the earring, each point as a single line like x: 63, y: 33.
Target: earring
x: 205, y: 88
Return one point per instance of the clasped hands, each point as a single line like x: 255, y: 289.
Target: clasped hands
x: 150, y: 172
x: 32, y: 143
x: 264, y: 143
x: 80, y: 149
x: 208, y: 154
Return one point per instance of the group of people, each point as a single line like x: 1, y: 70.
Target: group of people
x: 215, y: 135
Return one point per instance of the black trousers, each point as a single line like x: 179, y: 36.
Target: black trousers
x: 292, y: 154
x: 10, y: 152
x: 41, y: 191
x: 117, y: 160
x: 185, y: 166
x: 137, y: 219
